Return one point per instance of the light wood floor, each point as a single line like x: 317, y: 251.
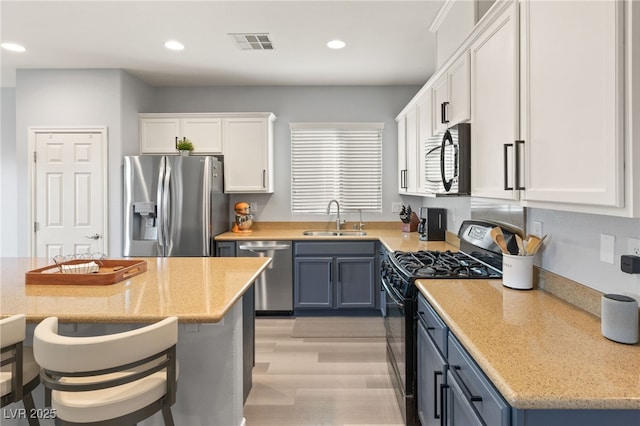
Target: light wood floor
x: 318, y: 381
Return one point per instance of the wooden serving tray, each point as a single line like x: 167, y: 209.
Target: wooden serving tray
x: 111, y: 271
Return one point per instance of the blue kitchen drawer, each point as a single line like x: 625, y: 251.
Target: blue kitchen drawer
x: 436, y: 328
x: 488, y: 402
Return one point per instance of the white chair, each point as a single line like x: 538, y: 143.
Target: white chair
x: 19, y: 370
x: 112, y: 379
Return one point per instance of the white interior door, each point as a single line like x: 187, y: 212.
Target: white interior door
x: 70, y: 193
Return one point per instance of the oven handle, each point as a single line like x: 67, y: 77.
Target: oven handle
x: 391, y: 293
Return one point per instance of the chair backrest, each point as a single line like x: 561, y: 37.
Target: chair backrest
x: 80, y: 354
x: 12, y: 330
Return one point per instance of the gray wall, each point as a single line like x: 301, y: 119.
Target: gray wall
x: 302, y: 104
x: 78, y: 98
x: 8, y: 173
x: 113, y: 98
x: 572, y: 248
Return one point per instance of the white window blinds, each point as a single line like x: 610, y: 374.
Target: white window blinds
x: 341, y: 161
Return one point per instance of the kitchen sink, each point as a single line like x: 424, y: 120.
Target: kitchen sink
x: 327, y: 233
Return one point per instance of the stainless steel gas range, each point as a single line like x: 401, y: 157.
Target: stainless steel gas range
x: 479, y: 258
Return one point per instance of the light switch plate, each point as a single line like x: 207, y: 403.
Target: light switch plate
x: 607, y: 244
x: 537, y: 228
x: 396, y: 207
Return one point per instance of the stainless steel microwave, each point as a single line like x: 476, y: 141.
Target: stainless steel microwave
x: 447, y: 161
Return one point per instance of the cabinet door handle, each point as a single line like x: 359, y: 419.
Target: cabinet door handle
x: 518, y: 165
x: 443, y: 112
x: 463, y: 386
x: 505, y: 157
x: 176, y: 142
x: 435, y: 396
x: 403, y: 179
x: 443, y: 404
x: 264, y: 178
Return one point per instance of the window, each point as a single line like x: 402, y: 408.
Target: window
x: 341, y: 161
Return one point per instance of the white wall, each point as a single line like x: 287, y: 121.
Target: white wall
x: 301, y: 104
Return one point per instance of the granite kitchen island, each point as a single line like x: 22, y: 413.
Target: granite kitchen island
x: 202, y: 292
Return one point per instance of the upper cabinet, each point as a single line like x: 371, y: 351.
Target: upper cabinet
x: 494, y: 108
x: 552, y: 92
x: 248, y: 154
x: 572, y: 102
x: 160, y: 132
x: 451, y: 95
x: 245, y: 140
x: 453, y: 23
x: 414, y: 126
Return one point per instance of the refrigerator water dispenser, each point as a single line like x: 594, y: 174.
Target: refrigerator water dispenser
x: 144, y: 221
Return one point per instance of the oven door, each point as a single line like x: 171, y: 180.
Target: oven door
x: 394, y: 323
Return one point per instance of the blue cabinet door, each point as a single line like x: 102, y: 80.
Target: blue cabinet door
x: 431, y: 375
x: 354, y: 282
x: 313, y: 286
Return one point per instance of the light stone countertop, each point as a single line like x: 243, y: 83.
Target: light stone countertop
x: 539, y: 351
x: 388, y: 233
x: 195, y: 289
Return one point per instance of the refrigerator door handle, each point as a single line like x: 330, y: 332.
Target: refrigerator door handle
x: 166, y: 206
x: 206, y: 207
x: 161, y: 211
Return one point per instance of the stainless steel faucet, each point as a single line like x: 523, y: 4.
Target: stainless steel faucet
x: 338, y: 222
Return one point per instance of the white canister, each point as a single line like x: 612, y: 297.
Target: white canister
x: 517, y: 271
x: 619, y: 318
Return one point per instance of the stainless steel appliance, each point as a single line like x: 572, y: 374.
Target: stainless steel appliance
x: 274, y: 287
x: 173, y: 205
x: 479, y: 258
x: 447, y: 161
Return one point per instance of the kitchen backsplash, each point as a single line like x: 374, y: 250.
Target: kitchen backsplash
x: 572, y: 248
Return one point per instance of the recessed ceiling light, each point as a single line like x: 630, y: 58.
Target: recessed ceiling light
x: 174, y: 45
x: 336, y: 44
x: 13, y: 47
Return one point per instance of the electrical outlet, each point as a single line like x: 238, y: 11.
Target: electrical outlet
x: 633, y: 246
x: 253, y: 206
x: 607, y: 244
x: 396, y: 207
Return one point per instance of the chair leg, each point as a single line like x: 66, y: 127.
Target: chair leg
x: 30, y: 407
x: 167, y: 416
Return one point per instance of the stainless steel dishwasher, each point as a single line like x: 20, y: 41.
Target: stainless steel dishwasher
x: 274, y: 287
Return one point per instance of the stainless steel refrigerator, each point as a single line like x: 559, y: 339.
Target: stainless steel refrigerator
x: 173, y: 205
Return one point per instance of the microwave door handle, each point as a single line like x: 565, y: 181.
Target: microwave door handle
x: 456, y: 149
x: 446, y: 138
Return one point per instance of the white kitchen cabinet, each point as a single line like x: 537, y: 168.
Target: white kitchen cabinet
x: 494, y: 108
x: 159, y: 133
x: 572, y: 102
x: 424, y: 107
x: 413, y: 127
x: 451, y: 95
x: 402, y: 153
x: 407, y: 151
x: 248, y: 153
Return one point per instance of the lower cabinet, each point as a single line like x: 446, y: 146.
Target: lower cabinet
x: 454, y: 391
x: 431, y: 378
x: 330, y: 275
x: 228, y: 249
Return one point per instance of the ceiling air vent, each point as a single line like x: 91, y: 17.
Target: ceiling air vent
x: 252, y: 41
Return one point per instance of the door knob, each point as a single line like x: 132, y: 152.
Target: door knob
x: 93, y: 237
